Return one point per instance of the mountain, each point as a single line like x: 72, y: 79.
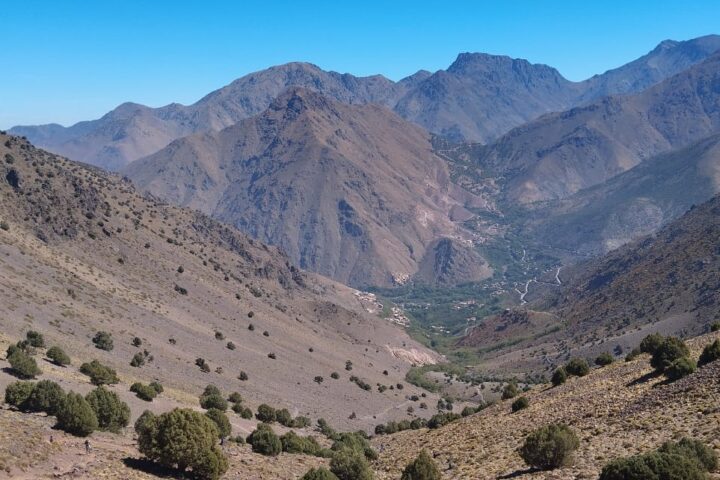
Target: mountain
x: 81, y: 251
x: 635, y: 203
x: 562, y: 153
x: 132, y: 131
x: 481, y: 96
x: 350, y: 191
x: 669, y: 58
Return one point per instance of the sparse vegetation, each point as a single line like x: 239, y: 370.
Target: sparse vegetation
x: 103, y: 341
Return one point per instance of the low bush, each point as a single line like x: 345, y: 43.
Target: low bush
x: 265, y: 413
x: 422, y: 468
x: 604, y: 359
x: 17, y: 393
x: 235, y: 397
x: 577, y: 367
x: 35, y: 339
x: 349, y: 465
x: 650, y: 343
x: 710, y: 353
x: 23, y: 365
x: 143, y: 392
x: 58, y: 356
x: 559, y: 376
x: 46, y: 396
x: 510, y: 391
x: 264, y: 441
x: 520, y: 403
x: 103, y: 341
x: 213, y: 398
x: 680, y: 368
x: 671, y: 349
x: 99, y: 374
x: 221, y: 422
x: 320, y: 473
x: 549, y: 447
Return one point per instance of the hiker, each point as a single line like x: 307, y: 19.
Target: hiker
x: 87, y: 446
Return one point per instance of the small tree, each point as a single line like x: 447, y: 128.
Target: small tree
x: 143, y: 392
x: 99, y: 374
x: 710, y: 353
x: 520, y: 404
x: 184, y: 439
x: 320, y: 473
x: 349, y: 465
x: 23, y: 365
x: 671, y: 349
x: 111, y: 412
x: 103, y: 341
x: 138, y: 360
x: 46, y: 396
x: 510, y: 391
x: 559, y: 376
x: 604, y: 359
x: 680, y: 368
x: 651, y: 343
x: 144, y: 421
x: 213, y: 400
x: 283, y: 417
x: 264, y: 441
x: 549, y: 447
x: 35, y: 339
x: 235, y: 397
x: 221, y: 422
x: 17, y: 393
x: 157, y: 386
x: 75, y: 416
x: 265, y: 413
x: 58, y: 356
x: 578, y: 367
x: 422, y: 468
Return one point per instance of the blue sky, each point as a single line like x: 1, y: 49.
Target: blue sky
x: 75, y: 60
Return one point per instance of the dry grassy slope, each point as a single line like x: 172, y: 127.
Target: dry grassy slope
x: 616, y: 411
x: 56, y: 278
x: 349, y: 191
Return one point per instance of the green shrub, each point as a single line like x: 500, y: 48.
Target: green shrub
x: 300, y: 422
x: 184, y: 439
x: 354, y: 441
x: 221, y: 422
x: 35, y: 339
x: 99, y: 374
x: 510, y: 391
x: 715, y: 327
x: 157, y: 386
x: 634, y: 353
x: 265, y: 413
x: 145, y: 420
x: 320, y: 473
x: 651, y: 343
x: 58, y: 356
x: 693, y: 449
x: 23, y: 365
x: 111, y: 412
x: 138, y: 360
x: 235, y: 397
x: 559, y: 376
x: 422, y: 468
x: 103, y: 341
x: 671, y: 349
x: 604, y: 359
x: 710, y: 353
x: 549, y: 447
x: 212, y: 399
x: 243, y: 376
x: 46, y: 396
x: 264, y: 441
x: 17, y: 393
x: 680, y: 368
x: 349, y: 465
x: 520, y: 404
x: 293, y: 443
x: 578, y: 367
x: 283, y: 417
x: 334, y: 376
x: 143, y: 392
x: 137, y: 341
x: 76, y: 416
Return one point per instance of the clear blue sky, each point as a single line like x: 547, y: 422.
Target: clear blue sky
x: 65, y: 61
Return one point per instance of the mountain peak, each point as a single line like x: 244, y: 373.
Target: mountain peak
x: 296, y: 100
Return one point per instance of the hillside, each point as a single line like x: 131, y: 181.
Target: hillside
x: 349, y: 191
x: 562, y: 153
x: 81, y: 251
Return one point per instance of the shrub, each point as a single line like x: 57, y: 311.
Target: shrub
x: 520, y: 404
x: 99, y: 374
x: 634, y: 353
x: 219, y: 336
x: 549, y: 447
x: 235, y: 397
x: 111, y: 412
x: 325, y: 428
x: 35, y: 339
x: 230, y: 346
x: 293, y: 443
x: 143, y: 392
x: 578, y: 367
x: 320, y: 473
x: 264, y: 441
x: 283, y: 417
x: 157, y: 386
x: 671, y: 349
x: 694, y: 449
x: 300, y: 422
x: 221, y: 422
x: 75, y: 416
x: 144, y: 421
x: 243, y: 376
x: 318, y: 379
x: 103, y: 341
x: 651, y: 343
x: 510, y: 391
x: 46, y: 396
x: 184, y: 439
x: 213, y: 398
x: 422, y: 468
x: 715, y: 327
x: 138, y: 360
x: 354, y: 441
x: 17, y: 393
x: 710, y: 353
x: 680, y: 368
x: 604, y: 359
x: 136, y: 342
x: 334, y: 375
x: 349, y: 465
x: 265, y: 413
x: 58, y: 356
x: 23, y: 365
x: 559, y: 376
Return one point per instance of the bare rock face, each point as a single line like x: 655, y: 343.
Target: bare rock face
x: 349, y: 191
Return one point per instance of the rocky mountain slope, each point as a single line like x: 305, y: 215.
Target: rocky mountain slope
x: 81, y: 251
x: 350, y: 191
x: 562, y: 153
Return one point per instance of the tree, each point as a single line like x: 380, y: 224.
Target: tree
x: 422, y: 468
x: 671, y: 349
x: 111, y: 412
x: 549, y: 447
x: 143, y: 392
x: 283, y: 417
x: 265, y: 413
x: 510, y: 391
x: 145, y: 420
x: 604, y: 359
x: 264, y: 441
x: 347, y: 464
x: 559, y: 376
x: 138, y: 360
x: 58, y: 356
x: 651, y: 343
x: 680, y: 368
x: 213, y: 401
x: 75, y: 416
x: 17, y: 393
x: 235, y: 397
x: 710, y: 353
x: 157, y: 386
x: 103, y: 341
x: 99, y: 374
x: 46, y: 396
x: 221, y: 422
x: 320, y: 473
x: 578, y: 367
x: 520, y: 404
x: 23, y: 365
x: 184, y: 439
x: 35, y: 339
